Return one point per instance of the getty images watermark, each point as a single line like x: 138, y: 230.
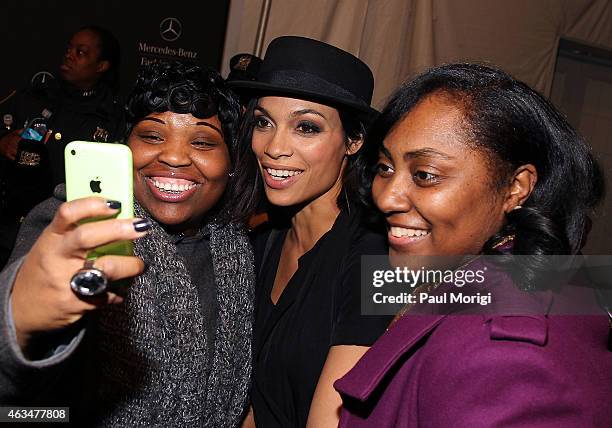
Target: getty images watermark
x: 486, y: 284
x: 426, y: 281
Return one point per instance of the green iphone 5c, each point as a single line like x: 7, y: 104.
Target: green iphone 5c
x: 104, y: 170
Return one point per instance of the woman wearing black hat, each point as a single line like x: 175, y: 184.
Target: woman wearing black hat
x: 306, y: 127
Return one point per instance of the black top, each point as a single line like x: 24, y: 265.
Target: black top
x: 195, y: 253
x: 319, y: 308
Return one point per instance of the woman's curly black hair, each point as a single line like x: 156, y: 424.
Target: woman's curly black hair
x: 186, y: 88
x: 514, y: 125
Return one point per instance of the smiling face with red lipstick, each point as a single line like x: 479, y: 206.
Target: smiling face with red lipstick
x: 181, y: 166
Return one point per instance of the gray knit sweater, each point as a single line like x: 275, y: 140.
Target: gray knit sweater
x: 149, y: 361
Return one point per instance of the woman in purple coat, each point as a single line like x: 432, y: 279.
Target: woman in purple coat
x: 468, y: 160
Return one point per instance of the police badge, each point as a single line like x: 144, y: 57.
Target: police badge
x: 100, y: 135
x: 243, y: 62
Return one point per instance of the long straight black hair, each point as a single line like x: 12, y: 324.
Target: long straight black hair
x: 254, y: 199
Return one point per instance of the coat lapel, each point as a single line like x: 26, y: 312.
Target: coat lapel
x: 363, y: 379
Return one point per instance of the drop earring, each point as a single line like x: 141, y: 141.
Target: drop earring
x: 348, y: 205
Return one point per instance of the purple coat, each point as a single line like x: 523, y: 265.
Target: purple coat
x: 484, y: 371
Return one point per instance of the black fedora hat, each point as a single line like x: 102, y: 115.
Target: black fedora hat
x: 304, y: 68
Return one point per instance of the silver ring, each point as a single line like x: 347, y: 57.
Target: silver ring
x: 89, y: 281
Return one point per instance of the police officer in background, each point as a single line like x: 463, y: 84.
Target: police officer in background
x: 80, y: 105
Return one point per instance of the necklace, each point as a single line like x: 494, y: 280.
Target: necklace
x: 423, y: 288
x: 429, y: 287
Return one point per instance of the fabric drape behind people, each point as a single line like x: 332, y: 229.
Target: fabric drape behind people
x: 520, y: 36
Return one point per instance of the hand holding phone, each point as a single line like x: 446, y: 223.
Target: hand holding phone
x: 103, y: 170
x: 41, y: 298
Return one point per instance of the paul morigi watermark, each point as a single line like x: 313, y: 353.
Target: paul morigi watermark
x: 486, y: 284
x: 413, y: 278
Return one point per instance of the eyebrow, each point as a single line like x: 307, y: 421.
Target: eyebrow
x: 385, y: 152
x: 427, y: 152
x: 306, y: 111
x: 421, y: 153
x: 210, y: 125
x: 294, y: 113
x: 153, y: 119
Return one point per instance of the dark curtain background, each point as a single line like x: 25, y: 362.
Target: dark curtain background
x: 35, y: 32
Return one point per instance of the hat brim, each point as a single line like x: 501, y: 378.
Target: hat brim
x: 254, y: 88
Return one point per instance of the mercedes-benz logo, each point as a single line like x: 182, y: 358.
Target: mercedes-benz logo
x: 170, y: 29
x: 41, y: 78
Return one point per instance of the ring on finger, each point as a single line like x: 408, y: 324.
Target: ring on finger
x: 89, y: 280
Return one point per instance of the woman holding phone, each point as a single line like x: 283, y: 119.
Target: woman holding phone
x: 174, y: 350
x: 306, y: 128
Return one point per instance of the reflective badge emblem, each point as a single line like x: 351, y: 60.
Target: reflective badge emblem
x: 100, y: 135
x: 29, y: 159
x: 243, y: 63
